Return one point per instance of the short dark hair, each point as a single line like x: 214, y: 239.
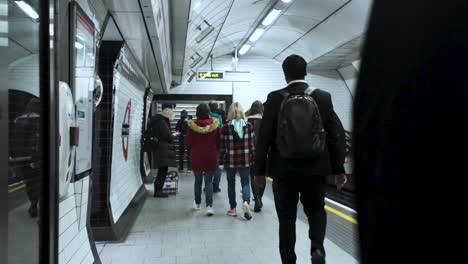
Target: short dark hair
x: 213, y: 106
x: 294, y: 67
x: 168, y: 105
x: 203, y: 111
x: 256, y: 108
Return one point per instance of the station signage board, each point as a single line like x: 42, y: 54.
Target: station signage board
x: 210, y: 75
x: 224, y: 76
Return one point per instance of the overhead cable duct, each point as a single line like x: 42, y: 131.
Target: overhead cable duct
x: 204, y: 31
x: 192, y: 75
x: 196, y: 60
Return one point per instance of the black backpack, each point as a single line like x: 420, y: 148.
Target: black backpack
x: 300, y: 133
x: 149, y: 142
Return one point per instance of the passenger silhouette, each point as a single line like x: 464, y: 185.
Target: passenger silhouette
x: 27, y: 134
x: 203, y: 141
x: 410, y: 140
x: 300, y: 176
x: 163, y: 155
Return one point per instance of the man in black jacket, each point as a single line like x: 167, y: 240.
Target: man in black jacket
x: 300, y: 178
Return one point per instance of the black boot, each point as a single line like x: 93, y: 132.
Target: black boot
x: 318, y: 257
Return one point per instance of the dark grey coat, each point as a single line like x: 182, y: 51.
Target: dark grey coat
x: 164, y: 155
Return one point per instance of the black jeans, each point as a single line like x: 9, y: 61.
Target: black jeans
x: 182, y: 151
x: 160, y: 179
x: 290, y: 185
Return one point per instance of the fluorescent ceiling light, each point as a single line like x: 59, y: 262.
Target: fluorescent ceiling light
x: 271, y: 17
x: 78, y: 45
x: 286, y: 1
x: 51, y: 29
x: 257, y: 34
x: 244, y: 49
x: 28, y: 9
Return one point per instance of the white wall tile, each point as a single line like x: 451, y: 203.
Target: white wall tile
x: 125, y: 174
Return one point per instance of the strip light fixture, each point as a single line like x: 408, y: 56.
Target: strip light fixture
x: 271, y: 17
x: 257, y: 34
x: 244, y: 49
x: 28, y: 9
x: 267, y: 21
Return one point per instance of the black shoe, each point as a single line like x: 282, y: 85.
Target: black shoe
x: 257, y: 209
x: 216, y: 190
x: 33, y: 211
x: 318, y: 257
x: 161, y: 195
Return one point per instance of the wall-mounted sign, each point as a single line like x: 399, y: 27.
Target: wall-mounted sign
x: 82, y: 80
x: 210, y: 75
x: 224, y: 76
x: 126, y: 129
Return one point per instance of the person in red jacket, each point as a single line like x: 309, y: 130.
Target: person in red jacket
x: 203, y: 138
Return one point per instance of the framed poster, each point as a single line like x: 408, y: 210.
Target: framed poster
x: 82, y: 80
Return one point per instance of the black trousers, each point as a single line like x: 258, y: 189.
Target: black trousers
x: 160, y: 179
x: 257, y: 189
x: 182, y: 151
x: 290, y: 185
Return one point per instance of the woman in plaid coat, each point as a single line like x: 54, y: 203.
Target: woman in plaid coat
x: 237, y: 154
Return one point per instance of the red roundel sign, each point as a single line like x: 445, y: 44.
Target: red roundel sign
x: 126, y: 129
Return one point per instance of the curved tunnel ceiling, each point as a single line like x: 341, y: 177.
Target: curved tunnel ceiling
x: 311, y: 28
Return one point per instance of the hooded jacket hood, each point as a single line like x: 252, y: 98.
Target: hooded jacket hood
x: 204, y: 126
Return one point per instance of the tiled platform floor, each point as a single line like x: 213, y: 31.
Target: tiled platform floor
x: 169, y: 231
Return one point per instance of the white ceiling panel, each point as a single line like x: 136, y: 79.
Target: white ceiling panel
x: 242, y: 19
x: 340, y: 28
x: 127, y: 6
x: 300, y: 17
x: 214, y: 12
x: 127, y: 22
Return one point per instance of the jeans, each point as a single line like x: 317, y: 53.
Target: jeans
x: 217, y: 179
x: 245, y: 179
x: 208, y: 175
x: 290, y: 186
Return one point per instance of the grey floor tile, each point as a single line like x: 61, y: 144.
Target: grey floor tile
x: 169, y: 231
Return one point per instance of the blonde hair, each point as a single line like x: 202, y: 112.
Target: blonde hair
x: 167, y: 113
x: 235, y: 112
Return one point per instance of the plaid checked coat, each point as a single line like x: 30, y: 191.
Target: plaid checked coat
x: 237, y: 152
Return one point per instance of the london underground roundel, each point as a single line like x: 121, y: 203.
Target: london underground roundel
x: 126, y: 129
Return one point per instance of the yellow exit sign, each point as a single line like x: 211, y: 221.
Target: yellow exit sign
x: 210, y: 75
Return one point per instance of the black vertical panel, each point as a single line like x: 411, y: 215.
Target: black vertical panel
x: 101, y: 216
x: 411, y: 143
x: 48, y: 234
x: 4, y: 149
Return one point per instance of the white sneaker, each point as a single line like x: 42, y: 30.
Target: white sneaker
x: 209, y: 211
x: 196, y: 206
x: 247, y: 212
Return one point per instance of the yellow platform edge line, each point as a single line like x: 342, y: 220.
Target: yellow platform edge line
x: 340, y: 214
x: 17, y: 188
